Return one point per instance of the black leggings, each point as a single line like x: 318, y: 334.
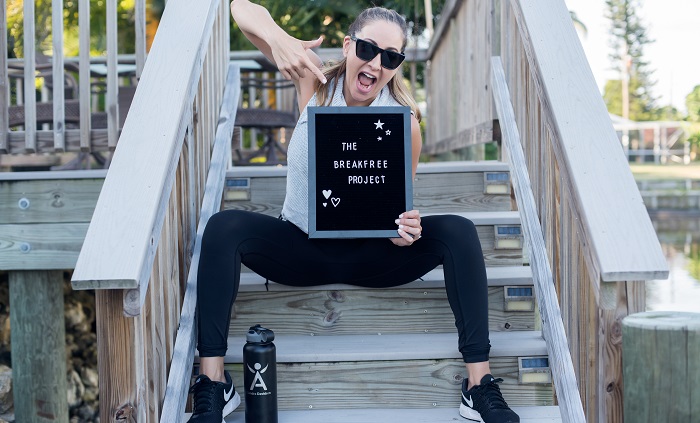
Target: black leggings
x: 281, y: 252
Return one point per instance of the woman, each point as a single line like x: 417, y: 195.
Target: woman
x: 280, y: 249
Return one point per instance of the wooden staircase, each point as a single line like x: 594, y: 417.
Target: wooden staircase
x: 352, y: 354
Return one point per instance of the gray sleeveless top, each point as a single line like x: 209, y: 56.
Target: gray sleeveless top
x: 296, y: 202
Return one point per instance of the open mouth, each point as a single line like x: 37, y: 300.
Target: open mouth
x: 366, y: 81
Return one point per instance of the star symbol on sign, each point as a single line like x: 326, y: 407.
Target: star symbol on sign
x: 379, y: 138
x: 379, y: 124
x: 388, y: 132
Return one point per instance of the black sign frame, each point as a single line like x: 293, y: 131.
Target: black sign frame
x: 394, y: 201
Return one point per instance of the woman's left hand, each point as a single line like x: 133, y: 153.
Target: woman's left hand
x: 409, y: 228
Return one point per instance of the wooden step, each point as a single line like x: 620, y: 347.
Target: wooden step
x: 374, y: 371
x: 304, y: 349
x: 497, y: 276
x: 541, y: 414
x: 438, y: 187
x: 418, y: 307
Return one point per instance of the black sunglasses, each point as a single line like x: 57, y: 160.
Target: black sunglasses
x: 368, y: 51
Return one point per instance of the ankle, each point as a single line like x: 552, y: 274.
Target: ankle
x: 213, y: 368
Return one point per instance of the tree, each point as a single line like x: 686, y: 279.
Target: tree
x: 692, y: 103
x: 307, y: 20
x: 629, y: 37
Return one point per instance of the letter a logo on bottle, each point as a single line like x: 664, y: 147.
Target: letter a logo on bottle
x: 258, y: 381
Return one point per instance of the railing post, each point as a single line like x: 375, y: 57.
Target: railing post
x: 38, y: 346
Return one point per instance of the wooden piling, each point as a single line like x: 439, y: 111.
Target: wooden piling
x: 38, y: 346
x: 661, y: 367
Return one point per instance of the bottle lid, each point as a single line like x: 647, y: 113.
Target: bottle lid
x: 260, y: 335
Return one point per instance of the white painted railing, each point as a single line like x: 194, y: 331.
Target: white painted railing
x: 599, y: 238
x: 32, y: 139
x: 549, y: 312
x: 138, y: 247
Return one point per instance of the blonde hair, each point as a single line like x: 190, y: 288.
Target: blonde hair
x: 396, y: 85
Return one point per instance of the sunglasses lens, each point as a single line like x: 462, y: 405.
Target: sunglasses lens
x: 366, y: 51
x: 391, y: 60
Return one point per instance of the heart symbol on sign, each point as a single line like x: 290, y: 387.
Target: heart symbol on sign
x: 335, y: 201
x: 327, y: 193
x: 325, y: 204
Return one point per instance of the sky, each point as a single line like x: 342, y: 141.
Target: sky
x: 674, y: 55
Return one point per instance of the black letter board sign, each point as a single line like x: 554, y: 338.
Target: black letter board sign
x: 360, y: 175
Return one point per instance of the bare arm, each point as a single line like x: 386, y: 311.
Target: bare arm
x: 286, y: 52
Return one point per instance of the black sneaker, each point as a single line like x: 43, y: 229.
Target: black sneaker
x: 213, y: 400
x: 484, y: 403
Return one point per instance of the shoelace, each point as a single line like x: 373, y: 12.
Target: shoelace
x: 492, y: 394
x: 203, y: 396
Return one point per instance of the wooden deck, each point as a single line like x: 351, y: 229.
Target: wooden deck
x: 444, y: 415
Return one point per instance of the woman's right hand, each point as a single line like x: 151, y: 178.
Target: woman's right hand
x: 289, y: 54
x: 291, y: 58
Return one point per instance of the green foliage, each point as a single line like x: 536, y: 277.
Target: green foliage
x: 629, y: 36
x: 98, y: 26
x: 308, y: 19
x: 692, y: 102
x: 639, y: 110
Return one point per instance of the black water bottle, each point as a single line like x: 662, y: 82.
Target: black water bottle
x: 260, y: 376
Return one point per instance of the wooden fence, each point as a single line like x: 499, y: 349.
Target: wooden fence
x: 137, y: 250
x: 599, y: 237
x: 459, y: 87
x: 54, y: 108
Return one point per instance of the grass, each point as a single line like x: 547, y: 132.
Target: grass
x: 668, y: 171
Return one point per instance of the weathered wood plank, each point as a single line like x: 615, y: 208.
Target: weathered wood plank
x: 112, y: 76
x: 4, y: 88
x: 140, y: 27
x: 48, y: 201
x: 59, y: 124
x: 479, y: 134
x: 401, y: 384
x: 623, y: 245
x: 387, y: 347
x: 117, y: 358
x: 84, y: 75
x: 40, y: 246
x: 29, y: 78
x: 497, y: 276
x: 660, y: 353
x: 122, y: 238
x: 352, y: 312
x: 539, y: 414
x: 183, y: 350
x: 552, y: 326
x: 455, y: 192
x: 73, y: 140
x: 459, y: 77
x: 433, y: 192
x: 38, y: 346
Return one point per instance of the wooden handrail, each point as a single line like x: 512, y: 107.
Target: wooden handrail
x: 615, y: 223
x: 550, y: 314
x: 183, y: 352
x: 123, y: 236
x: 599, y: 238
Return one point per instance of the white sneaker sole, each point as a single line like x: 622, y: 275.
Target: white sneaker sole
x: 230, y: 406
x: 469, y: 413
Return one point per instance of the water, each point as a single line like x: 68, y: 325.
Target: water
x: 679, y: 235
